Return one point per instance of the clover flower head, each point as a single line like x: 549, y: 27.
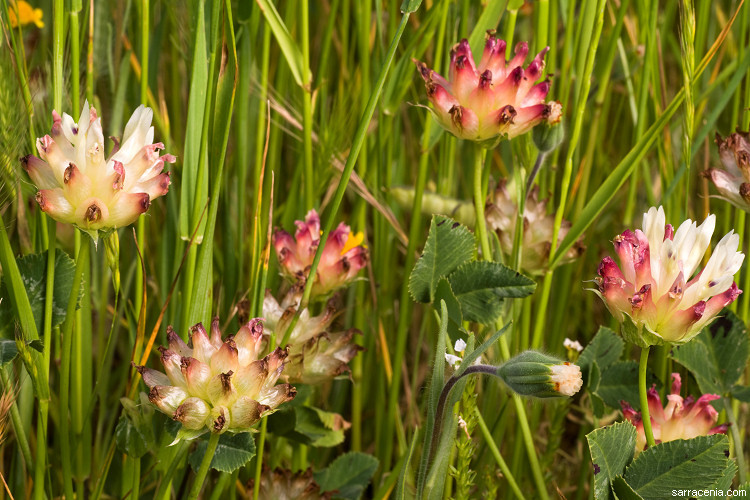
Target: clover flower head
x: 493, y: 100
x: 79, y: 185
x: 283, y: 484
x: 316, y: 354
x: 733, y: 182
x: 218, y: 385
x: 682, y: 418
x: 501, y: 213
x: 343, y: 255
x: 658, y: 292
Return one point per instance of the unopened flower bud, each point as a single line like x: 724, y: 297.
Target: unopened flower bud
x: 535, y: 374
x: 548, y: 136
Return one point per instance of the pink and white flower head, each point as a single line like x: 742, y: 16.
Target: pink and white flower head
x: 218, y: 385
x: 79, y: 186
x: 496, y: 99
x: 343, y: 254
x: 658, y: 293
x: 733, y: 182
x: 682, y: 418
x: 316, y: 354
x: 283, y: 484
x: 501, y: 213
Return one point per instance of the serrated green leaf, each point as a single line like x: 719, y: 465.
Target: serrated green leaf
x: 683, y: 464
x: 348, y: 475
x: 717, y: 356
x: 33, y: 269
x: 605, y: 349
x: 727, y: 476
x: 232, y: 452
x: 597, y: 405
x: 8, y: 351
x: 444, y: 292
x: 481, y: 286
x: 322, y: 429
x: 623, y: 491
x: 612, y: 449
x: 449, y: 244
x: 308, y: 425
x: 620, y: 382
x: 741, y: 392
x: 129, y: 438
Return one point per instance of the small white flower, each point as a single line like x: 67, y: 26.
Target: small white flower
x: 566, y: 378
x: 572, y: 344
x: 452, y: 360
x: 462, y: 425
x: 460, y: 345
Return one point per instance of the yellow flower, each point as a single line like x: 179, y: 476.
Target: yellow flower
x: 23, y: 13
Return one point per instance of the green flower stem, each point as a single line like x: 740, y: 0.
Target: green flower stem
x: 644, y: 397
x: 479, y: 199
x: 496, y: 454
x: 736, y: 439
x: 135, y: 492
x: 213, y: 442
x: 259, y: 457
x: 68, y: 459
